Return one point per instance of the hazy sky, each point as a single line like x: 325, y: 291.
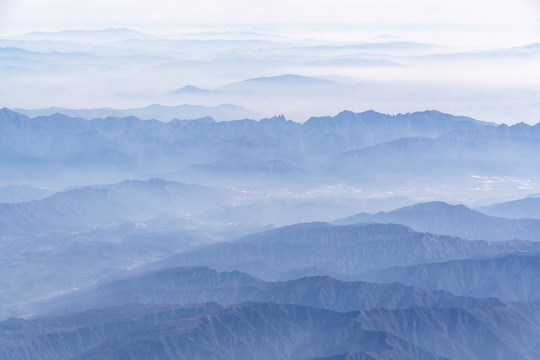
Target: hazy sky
x: 17, y: 16
x: 473, y: 27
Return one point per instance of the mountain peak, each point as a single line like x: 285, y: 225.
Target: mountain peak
x: 274, y: 119
x: 190, y: 90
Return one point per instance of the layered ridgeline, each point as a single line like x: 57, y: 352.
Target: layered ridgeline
x: 81, y: 235
x: 528, y: 208
x: 99, y: 205
x: 338, y: 250
x: 272, y: 331
x: 458, y: 220
x: 88, y: 207
x: 510, y: 277
x: 396, y: 321
x: 128, y: 147
x: 224, y: 112
x: 62, y: 263
x: 189, y: 285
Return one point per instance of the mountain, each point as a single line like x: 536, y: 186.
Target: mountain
x: 225, y: 112
x: 324, y: 249
x: 192, y: 90
x: 71, y: 210
x: 376, y: 153
x: 456, y: 220
x: 468, y: 159
x: 350, y: 131
x: 110, y: 34
x: 7, y: 52
x: 189, y: 285
x: 528, y: 208
x: 36, y: 267
x: 510, y: 277
x: 286, y: 82
x: 88, y: 207
x: 131, y: 144
x: 271, y: 331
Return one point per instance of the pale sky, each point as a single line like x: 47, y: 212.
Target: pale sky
x: 19, y: 16
x: 467, y: 26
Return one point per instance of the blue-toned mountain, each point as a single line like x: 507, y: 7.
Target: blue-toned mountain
x: 188, y: 285
x: 271, y: 331
x: 511, y: 277
x: 457, y: 220
x: 320, y: 248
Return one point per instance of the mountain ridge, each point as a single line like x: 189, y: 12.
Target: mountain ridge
x: 457, y: 220
x: 187, y: 285
x: 284, y: 332
x: 337, y: 250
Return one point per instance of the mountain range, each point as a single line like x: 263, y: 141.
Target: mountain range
x: 510, y: 277
x: 119, y: 148
x: 113, y: 242
x: 323, y: 249
x: 225, y: 112
x: 190, y: 285
x: 528, y: 208
x: 89, y: 207
x: 175, y: 196
x: 273, y: 331
x: 456, y: 220
x: 379, y: 154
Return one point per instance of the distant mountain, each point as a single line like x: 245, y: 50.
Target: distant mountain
x: 38, y: 266
x: 456, y: 220
x: 130, y: 147
x: 223, y: 112
x: 337, y: 250
x: 87, y: 207
x: 13, y: 51
x: 65, y: 211
x: 287, y: 83
x: 511, y: 277
x: 370, y: 150
x: 352, y: 131
x: 192, y: 90
x: 111, y: 34
x: 266, y: 331
x: 189, y: 285
x: 528, y: 208
x: 459, y: 156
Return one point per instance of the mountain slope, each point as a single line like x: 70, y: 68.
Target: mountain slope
x: 225, y: 112
x: 320, y: 248
x: 271, y: 331
x: 511, y: 277
x: 142, y: 146
x: 528, y: 208
x: 352, y: 131
x: 201, y: 285
x: 93, y: 206
x: 457, y: 220
x: 286, y: 83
